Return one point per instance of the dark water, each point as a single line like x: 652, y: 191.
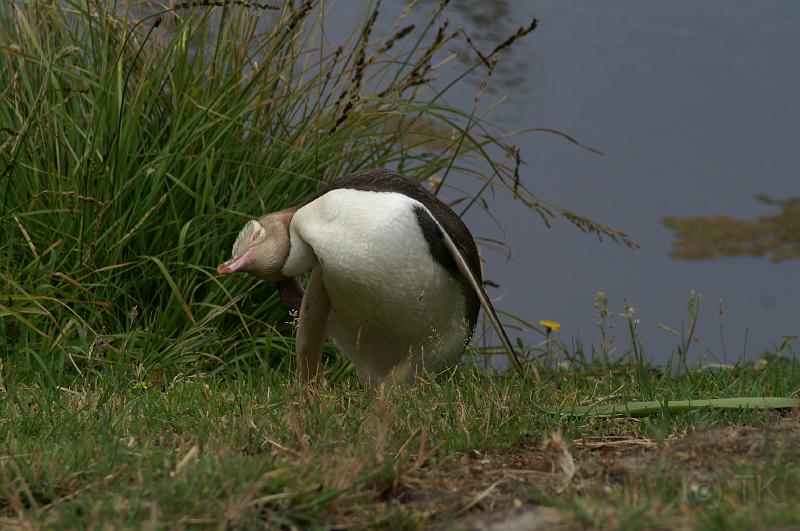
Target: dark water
x: 696, y: 107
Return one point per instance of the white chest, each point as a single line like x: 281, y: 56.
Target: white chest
x: 390, y: 298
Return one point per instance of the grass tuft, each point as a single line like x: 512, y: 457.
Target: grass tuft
x: 261, y: 451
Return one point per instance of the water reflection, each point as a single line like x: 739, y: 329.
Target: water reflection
x: 488, y: 23
x: 702, y: 238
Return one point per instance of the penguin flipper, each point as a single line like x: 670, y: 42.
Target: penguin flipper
x: 464, y: 269
x: 314, y: 312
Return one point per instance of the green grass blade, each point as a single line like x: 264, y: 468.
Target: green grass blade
x: 174, y: 287
x: 653, y: 407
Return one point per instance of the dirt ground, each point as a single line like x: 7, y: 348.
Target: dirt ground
x: 500, y: 491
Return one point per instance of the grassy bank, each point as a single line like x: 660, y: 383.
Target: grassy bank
x: 258, y: 450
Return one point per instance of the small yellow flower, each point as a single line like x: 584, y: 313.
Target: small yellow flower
x: 550, y: 325
x: 142, y: 384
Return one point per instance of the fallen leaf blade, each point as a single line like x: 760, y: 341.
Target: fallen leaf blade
x: 653, y: 407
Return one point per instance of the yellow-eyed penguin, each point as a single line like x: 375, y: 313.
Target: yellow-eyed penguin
x: 395, y: 275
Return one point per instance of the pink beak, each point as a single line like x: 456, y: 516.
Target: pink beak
x: 237, y: 263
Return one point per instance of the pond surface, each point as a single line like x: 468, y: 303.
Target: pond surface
x: 696, y: 108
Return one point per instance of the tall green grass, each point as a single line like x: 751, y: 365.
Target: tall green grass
x: 131, y: 152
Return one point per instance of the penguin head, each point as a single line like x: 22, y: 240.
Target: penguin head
x: 261, y: 248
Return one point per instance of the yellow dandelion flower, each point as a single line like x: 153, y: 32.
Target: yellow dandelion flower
x: 143, y: 385
x: 550, y: 325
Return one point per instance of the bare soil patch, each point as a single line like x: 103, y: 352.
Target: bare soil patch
x: 499, y: 490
